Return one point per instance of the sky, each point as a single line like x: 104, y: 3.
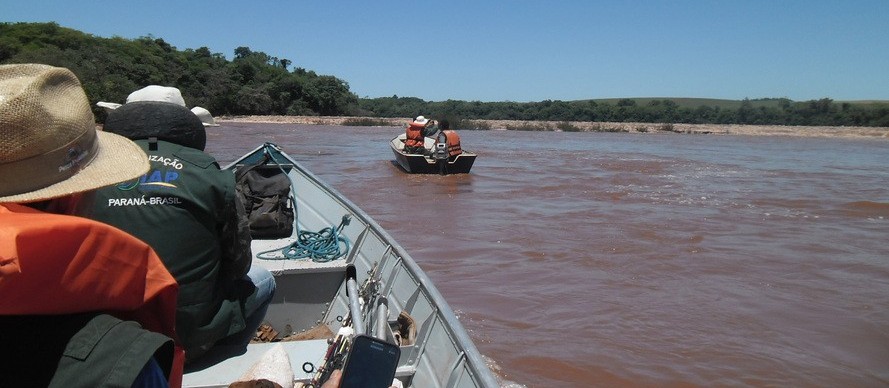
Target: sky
x: 524, y: 50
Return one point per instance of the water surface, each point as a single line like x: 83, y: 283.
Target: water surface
x: 599, y: 259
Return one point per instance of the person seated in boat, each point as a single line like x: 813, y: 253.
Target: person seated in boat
x: 415, y: 134
x: 450, y: 136
x: 186, y: 208
x: 205, y: 116
x: 83, y: 303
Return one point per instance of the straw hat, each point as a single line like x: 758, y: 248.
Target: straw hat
x: 49, y: 146
x: 163, y: 120
x: 205, y: 116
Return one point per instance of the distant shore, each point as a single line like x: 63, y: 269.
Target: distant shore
x: 586, y: 126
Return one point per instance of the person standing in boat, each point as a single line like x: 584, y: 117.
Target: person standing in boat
x: 82, y: 304
x: 415, y: 134
x: 186, y: 208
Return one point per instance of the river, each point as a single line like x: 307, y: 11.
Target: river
x: 636, y: 260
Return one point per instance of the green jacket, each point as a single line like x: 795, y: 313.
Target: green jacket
x: 185, y: 208
x: 78, y: 350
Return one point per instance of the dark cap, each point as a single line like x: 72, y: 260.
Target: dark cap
x: 163, y: 120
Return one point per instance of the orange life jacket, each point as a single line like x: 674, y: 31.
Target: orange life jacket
x: 58, y: 264
x: 453, y: 141
x: 414, y: 135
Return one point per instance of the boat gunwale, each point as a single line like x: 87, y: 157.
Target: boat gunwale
x: 393, y: 142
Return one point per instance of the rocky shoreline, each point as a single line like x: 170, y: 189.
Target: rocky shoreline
x: 586, y: 126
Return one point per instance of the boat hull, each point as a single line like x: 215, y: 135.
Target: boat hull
x: 421, y: 164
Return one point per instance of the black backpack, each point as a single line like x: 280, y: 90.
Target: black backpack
x: 265, y: 194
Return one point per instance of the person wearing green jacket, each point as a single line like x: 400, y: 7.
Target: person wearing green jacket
x: 186, y: 208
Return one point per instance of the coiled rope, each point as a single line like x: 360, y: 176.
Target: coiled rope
x: 323, y: 246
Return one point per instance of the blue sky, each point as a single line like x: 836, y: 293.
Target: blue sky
x: 485, y: 50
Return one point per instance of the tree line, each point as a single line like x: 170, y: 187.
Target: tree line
x: 252, y: 83
x: 770, y: 111
x: 256, y: 83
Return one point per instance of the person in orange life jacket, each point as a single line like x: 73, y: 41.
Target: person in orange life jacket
x: 415, y: 133
x: 453, y: 140
x: 83, y: 304
x: 185, y: 207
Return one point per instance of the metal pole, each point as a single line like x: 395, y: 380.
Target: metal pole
x: 354, y: 306
x: 382, y: 319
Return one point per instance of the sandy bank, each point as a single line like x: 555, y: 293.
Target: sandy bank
x: 718, y: 129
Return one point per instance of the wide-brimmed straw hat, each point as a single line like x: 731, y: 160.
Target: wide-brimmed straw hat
x: 205, y: 116
x: 49, y: 145
x: 162, y: 120
x: 421, y: 120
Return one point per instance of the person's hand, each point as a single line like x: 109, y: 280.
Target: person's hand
x: 334, y: 380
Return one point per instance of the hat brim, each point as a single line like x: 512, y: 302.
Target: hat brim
x: 118, y: 159
x: 108, y: 105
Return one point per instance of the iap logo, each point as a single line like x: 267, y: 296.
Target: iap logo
x: 153, y: 179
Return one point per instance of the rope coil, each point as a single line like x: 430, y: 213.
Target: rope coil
x: 323, y: 246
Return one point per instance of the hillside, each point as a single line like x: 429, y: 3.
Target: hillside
x: 691, y: 102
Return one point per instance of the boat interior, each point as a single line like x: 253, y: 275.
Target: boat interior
x: 397, y: 302
x: 428, y: 143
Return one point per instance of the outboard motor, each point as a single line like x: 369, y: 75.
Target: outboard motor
x: 440, y: 154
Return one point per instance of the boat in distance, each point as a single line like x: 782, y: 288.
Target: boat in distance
x: 435, y: 160
x: 374, y: 287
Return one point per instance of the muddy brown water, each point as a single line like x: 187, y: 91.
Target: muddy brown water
x: 597, y: 259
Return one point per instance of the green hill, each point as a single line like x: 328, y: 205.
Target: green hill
x: 110, y: 68
x: 690, y: 102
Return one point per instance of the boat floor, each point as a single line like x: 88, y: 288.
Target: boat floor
x: 278, y: 267
x: 231, y: 369
x: 227, y: 364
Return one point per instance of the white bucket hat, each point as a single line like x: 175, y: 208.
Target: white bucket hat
x: 150, y: 93
x: 49, y: 145
x: 157, y: 93
x: 205, y: 116
x: 421, y: 120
